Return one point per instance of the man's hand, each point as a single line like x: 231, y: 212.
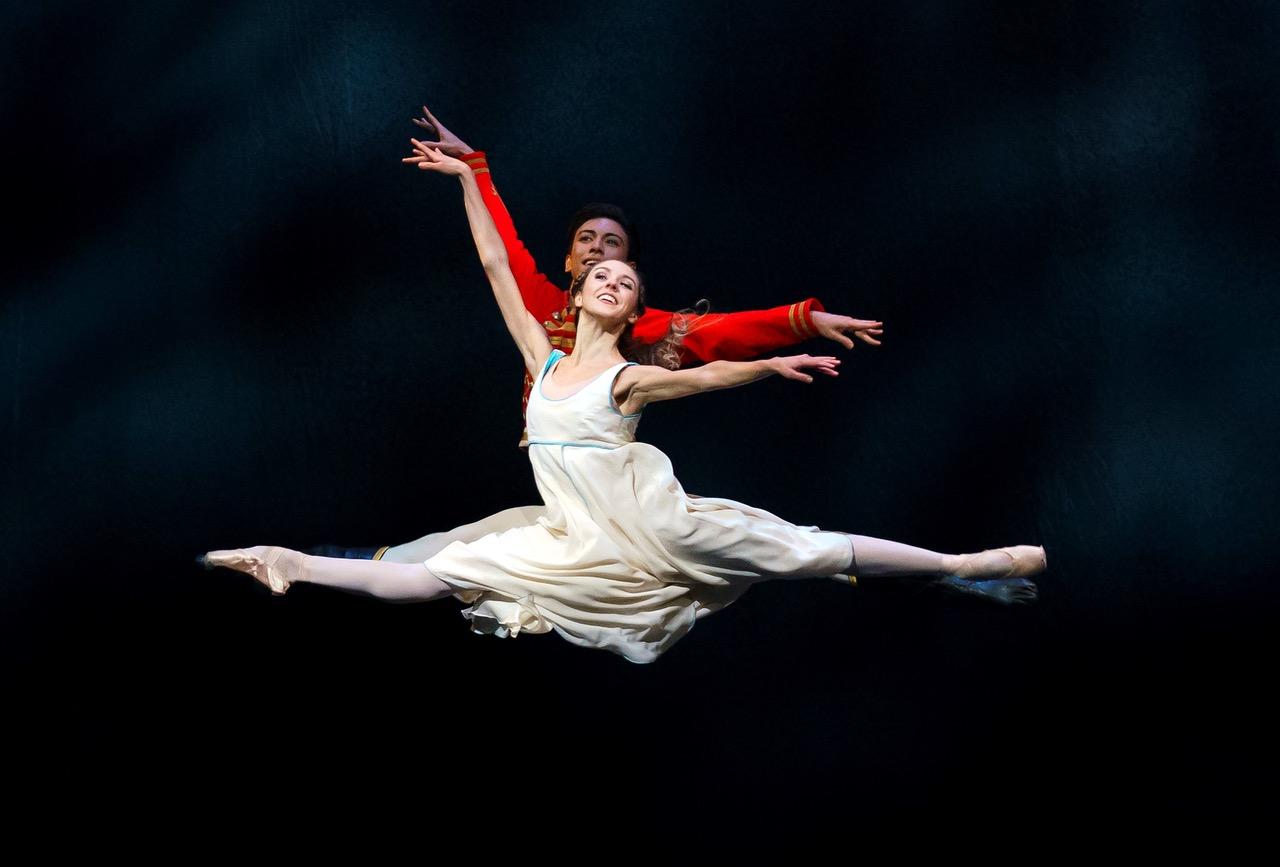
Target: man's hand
x: 835, y: 327
x: 431, y: 159
x: 448, y: 143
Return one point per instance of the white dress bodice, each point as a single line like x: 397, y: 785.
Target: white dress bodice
x: 587, y: 418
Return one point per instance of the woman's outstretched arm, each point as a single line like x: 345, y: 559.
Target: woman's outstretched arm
x: 529, y: 335
x: 637, y: 386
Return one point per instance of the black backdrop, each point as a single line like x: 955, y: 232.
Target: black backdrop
x: 232, y: 317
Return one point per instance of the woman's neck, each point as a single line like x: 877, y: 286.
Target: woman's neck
x: 593, y: 344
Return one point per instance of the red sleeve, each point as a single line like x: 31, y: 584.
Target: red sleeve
x: 541, y: 296
x: 735, y: 336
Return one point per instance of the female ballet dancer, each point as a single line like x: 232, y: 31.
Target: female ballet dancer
x: 623, y: 559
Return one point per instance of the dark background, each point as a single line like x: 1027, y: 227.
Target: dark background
x: 232, y: 317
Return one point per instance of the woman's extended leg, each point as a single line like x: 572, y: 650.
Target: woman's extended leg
x: 394, y: 582
x: 880, y: 557
x: 998, y: 574
x: 279, y: 567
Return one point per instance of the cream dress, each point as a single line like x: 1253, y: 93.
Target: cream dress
x: 623, y: 559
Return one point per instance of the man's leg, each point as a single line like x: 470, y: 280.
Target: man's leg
x: 420, y: 550
x: 423, y: 549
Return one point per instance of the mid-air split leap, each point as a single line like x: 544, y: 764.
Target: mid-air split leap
x: 596, y: 233
x: 620, y: 557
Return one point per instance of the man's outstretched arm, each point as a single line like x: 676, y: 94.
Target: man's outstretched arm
x: 541, y: 297
x: 747, y: 334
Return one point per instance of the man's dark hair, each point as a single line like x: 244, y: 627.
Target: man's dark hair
x: 594, y: 211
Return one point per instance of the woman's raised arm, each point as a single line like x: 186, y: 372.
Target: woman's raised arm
x: 530, y: 337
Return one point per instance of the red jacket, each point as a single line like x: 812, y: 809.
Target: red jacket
x: 713, y: 336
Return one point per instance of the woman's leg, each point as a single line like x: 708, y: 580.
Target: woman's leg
x: 394, y: 582
x: 280, y: 567
x: 999, y: 575
x: 874, y: 557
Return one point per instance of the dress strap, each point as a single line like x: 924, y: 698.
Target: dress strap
x: 555, y: 355
x: 613, y: 404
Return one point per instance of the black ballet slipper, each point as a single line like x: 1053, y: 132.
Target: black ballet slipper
x: 1003, y: 591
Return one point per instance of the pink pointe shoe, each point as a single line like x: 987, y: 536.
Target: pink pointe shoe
x: 262, y: 562
x: 998, y: 575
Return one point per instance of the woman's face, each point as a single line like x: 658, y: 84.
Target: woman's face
x: 610, y: 292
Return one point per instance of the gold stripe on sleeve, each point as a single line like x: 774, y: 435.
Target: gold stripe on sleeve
x: 804, y: 319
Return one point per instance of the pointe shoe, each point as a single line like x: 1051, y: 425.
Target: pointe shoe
x: 998, y: 575
x: 1020, y: 561
x: 263, y: 563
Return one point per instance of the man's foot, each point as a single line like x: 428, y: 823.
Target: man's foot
x: 1004, y: 591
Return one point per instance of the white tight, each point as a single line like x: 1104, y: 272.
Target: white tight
x: 394, y: 582
x: 872, y: 556
x: 401, y: 576
x: 880, y: 557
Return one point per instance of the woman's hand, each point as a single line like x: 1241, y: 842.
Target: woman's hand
x: 431, y: 159
x: 835, y: 327
x: 448, y: 142
x: 793, y: 366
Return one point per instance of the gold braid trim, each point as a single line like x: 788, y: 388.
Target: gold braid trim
x: 804, y: 319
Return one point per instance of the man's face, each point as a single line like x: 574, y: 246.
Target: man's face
x: 596, y: 240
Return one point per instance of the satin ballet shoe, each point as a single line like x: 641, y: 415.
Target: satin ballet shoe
x: 998, y: 575
x: 262, y: 562
x: 1020, y: 561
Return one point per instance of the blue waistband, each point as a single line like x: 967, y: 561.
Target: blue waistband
x: 568, y: 443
